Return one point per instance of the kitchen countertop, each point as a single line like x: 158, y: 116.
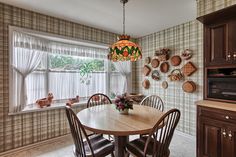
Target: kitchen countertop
x: 217, y: 105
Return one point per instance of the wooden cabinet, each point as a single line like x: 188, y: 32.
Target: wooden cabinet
x: 232, y: 41
x: 220, y: 54
x: 220, y: 43
x: 220, y: 37
x: 216, y: 132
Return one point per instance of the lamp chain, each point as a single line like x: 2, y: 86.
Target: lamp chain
x: 124, y: 18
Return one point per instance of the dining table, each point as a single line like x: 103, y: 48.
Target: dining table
x: 106, y: 119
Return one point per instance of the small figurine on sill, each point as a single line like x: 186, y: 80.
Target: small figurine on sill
x: 74, y: 100
x: 45, y: 101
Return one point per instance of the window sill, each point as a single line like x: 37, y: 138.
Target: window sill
x: 35, y: 108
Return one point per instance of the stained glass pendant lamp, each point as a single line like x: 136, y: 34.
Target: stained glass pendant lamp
x: 124, y: 49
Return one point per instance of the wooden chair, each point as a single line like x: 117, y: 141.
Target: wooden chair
x: 98, y: 99
x: 92, y: 146
x: 153, y: 101
x: 156, y: 144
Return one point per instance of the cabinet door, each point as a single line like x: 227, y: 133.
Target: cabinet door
x: 216, y: 45
x: 229, y: 143
x: 232, y: 40
x: 210, y: 138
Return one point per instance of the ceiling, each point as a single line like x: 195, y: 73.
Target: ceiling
x: 143, y: 17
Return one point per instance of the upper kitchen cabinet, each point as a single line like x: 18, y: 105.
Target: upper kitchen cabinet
x: 220, y: 38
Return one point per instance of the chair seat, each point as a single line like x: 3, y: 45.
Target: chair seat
x: 136, y: 147
x: 101, y: 146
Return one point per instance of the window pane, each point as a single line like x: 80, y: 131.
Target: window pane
x: 36, y: 86
x: 75, y: 63
x: 70, y: 76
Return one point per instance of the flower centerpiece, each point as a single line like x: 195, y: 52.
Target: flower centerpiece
x: 123, y: 103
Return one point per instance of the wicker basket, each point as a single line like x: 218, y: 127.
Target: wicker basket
x: 175, y: 75
x: 163, y: 54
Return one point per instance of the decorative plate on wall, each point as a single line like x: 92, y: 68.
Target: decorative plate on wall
x: 164, y: 84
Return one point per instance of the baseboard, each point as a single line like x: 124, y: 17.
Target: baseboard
x: 190, y: 137
x: 38, y: 144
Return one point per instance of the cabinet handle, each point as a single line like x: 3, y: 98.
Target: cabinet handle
x: 230, y: 135
x: 228, y: 57
x: 234, y: 55
x: 227, y: 117
x: 224, y: 133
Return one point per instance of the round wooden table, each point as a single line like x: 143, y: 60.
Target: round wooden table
x: 105, y: 119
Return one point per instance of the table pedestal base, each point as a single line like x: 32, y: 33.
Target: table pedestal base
x: 120, y: 142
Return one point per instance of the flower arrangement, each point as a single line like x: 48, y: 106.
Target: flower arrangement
x: 123, y: 102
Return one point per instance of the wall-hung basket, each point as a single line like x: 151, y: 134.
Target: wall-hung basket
x: 164, y: 67
x: 189, y: 87
x: 175, y: 60
x: 188, y: 69
x: 187, y: 54
x: 163, y: 54
x: 155, y: 75
x: 146, y: 84
x: 155, y: 63
x: 175, y: 75
x: 146, y: 70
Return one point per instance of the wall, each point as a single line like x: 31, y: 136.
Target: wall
x: 178, y: 38
x: 20, y: 130
x: 24, y: 129
x: 209, y: 6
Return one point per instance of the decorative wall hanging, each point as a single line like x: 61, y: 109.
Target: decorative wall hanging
x: 175, y: 75
x: 187, y: 54
x: 189, y: 87
x: 188, y: 69
x: 175, y: 60
x: 164, y: 84
x: 146, y: 70
x: 163, y: 54
x: 164, y: 67
x: 124, y: 50
x: 147, y: 60
x: 155, y: 63
x: 155, y: 75
x: 146, y: 84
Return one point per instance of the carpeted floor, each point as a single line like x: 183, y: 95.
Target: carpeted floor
x: 181, y: 146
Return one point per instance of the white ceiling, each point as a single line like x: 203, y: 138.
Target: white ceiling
x: 143, y: 17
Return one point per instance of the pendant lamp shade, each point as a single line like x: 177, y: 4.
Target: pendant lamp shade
x: 124, y: 49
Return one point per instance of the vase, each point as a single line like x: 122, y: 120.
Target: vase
x: 125, y: 111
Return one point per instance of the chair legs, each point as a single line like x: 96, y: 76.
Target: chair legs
x: 112, y: 154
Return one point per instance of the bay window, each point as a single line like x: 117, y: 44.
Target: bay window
x: 41, y: 65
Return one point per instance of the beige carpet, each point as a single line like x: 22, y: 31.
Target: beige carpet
x: 181, y: 146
